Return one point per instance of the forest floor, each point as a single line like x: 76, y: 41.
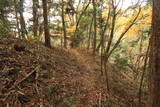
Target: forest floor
x: 32, y: 75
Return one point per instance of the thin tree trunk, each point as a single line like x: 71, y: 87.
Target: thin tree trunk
x: 142, y: 77
x: 103, y: 31
x: 35, y: 17
x: 46, y: 29
x: 17, y: 23
x: 22, y: 20
x: 16, y: 16
x: 23, y: 25
x: 64, y: 26
x: 112, y: 29
x: 89, y: 34
x: 95, y: 26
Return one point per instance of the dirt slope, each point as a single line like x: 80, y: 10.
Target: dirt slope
x: 37, y: 76
x: 32, y: 75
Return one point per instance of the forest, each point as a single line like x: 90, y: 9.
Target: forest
x: 79, y: 53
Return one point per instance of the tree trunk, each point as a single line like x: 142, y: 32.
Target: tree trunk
x: 22, y: 21
x: 46, y: 29
x: 112, y: 29
x: 64, y: 26
x: 95, y: 26
x: 89, y: 34
x: 154, y: 76
x: 17, y: 20
x: 35, y: 17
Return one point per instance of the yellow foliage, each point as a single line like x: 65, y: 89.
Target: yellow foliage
x: 143, y: 21
x: 104, y: 15
x: 60, y: 35
x: 71, y: 29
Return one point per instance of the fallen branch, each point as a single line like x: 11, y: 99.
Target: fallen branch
x: 28, y: 75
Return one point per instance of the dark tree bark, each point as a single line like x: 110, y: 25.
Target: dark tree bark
x: 154, y: 76
x: 64, y: 26
x: 46, y: 29
x: 95, y: 26
x: 35, y: 17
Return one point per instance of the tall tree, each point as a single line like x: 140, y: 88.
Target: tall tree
x: 95, y: 26
x: 35, y: 17
x: 20, y: 10
x: 46, y: 29
x: 64, y: 26
x: 154, y: 76
x: 16, y: 16
x: 89, y: 34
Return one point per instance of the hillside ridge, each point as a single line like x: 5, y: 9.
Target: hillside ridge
x: 33, y: 76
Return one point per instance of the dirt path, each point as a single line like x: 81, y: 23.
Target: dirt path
x: 90, y: 77
x: 120, y: 86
